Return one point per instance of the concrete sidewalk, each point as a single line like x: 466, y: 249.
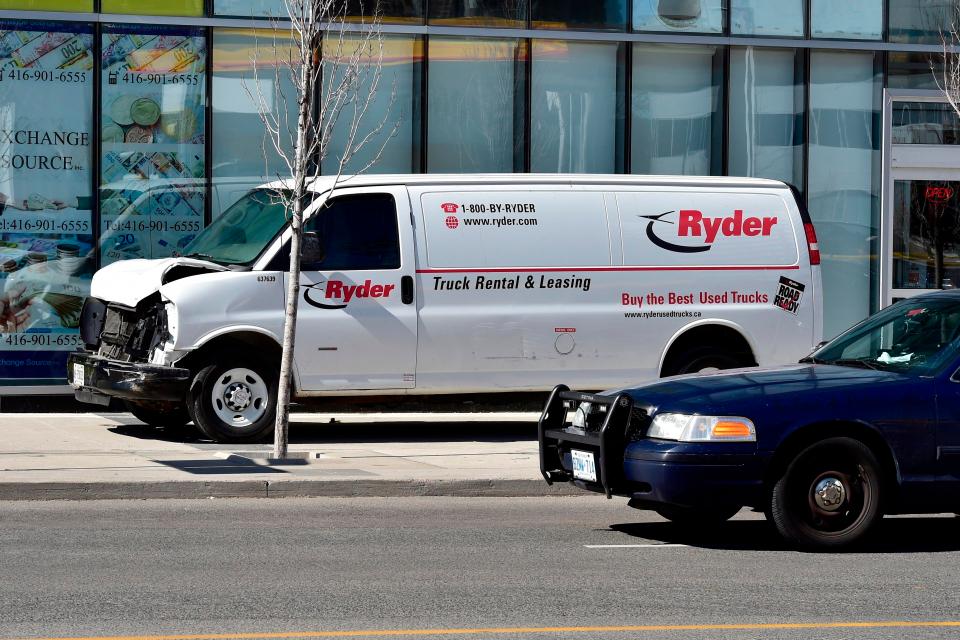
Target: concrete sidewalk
x: 113, y: 455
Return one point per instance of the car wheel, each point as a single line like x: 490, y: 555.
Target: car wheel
x: 168, y: 415
x: 235, y: 401
x: 703, y: 359
x: 829, y: 495
x: 691, y: 516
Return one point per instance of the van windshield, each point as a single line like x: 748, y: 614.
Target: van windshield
x: 241, y: 232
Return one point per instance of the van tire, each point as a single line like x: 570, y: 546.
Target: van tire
x: 168, y: 415
x: 799, y: 514
x: 696, y: 359
x: 235, y: 400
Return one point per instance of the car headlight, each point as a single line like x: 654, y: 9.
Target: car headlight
x: 687, y: 428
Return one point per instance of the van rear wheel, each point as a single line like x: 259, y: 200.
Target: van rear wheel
x: 704, y: 359
x: 235, y: 401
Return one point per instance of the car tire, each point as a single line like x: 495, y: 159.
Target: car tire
x: 235, y: 400
x: 168, y: 415
x: 697, y: 359
x: 693, y: 516
x: 829, y: 496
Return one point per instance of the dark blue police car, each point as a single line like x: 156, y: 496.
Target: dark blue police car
x: 866, y: 425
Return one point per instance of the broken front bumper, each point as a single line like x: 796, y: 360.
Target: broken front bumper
x: 97, y: 379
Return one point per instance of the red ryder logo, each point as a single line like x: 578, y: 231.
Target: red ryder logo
x: 692, y: 223
x: 337, y: 294
x: 450, y: 207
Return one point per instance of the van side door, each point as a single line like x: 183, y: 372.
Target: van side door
x: 357, y: 318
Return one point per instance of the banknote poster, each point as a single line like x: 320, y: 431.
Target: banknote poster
x: 152, y: 168
x: 46, y: 230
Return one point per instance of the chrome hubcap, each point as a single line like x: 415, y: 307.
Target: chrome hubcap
x: 240, y: 397
x: 829, y: 494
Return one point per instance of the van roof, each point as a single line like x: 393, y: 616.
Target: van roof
x: 323, y: 183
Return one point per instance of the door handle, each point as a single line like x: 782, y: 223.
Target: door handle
x: 406, y: 289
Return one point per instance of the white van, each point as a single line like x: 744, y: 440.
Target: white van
x: 436, y: 284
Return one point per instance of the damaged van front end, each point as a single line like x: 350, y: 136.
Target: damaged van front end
x: 129, y: 329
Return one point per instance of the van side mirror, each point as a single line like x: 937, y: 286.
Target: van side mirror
x: 311, y: 249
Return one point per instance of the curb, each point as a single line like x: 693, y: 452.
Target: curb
x: 283, y: 489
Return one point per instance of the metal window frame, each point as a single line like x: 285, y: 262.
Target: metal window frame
x: 886, y: 291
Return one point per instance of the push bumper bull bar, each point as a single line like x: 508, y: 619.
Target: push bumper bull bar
x: 607, y: 443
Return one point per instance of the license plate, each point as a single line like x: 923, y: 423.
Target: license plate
x: 78, y: 375
x: 583, y: 465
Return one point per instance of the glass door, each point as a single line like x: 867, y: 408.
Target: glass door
x: 920, y: 229
x: 926, y: 235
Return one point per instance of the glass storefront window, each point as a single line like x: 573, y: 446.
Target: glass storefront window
x: 912, y: 70
x: 698, y: 16
x: 926, y: 234
x: 391, y: 11
x: 850, y: 19
x: 843, y: 185
x: 242, y: 157
x: 919, y: 21
x: 475, y: 105
x: 677, y: 113
x: 766, y: 114
x: 577, y: 107
x: 250, y: 8
x: 782, y: 18
x: 46, y: 225
x: 394, y: 109
x: 479, y: 13
x: 925, y: 123
x: 48, y: 5
x: 607, y: 15
x: 152, y: 167
x: 153, y: 7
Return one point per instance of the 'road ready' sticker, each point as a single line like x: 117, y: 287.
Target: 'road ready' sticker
x: 788, y: 295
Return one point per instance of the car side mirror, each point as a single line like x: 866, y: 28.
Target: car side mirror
x: 311, y: 249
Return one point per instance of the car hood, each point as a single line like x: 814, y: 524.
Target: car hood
x: 130, y: 281
x: 739, y: 391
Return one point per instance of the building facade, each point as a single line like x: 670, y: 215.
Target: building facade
x: 127, y: 125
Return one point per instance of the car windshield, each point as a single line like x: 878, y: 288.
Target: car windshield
x: 915, y: 336
x: 241, y: 232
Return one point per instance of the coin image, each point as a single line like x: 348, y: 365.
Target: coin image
x: 111, y: 133
x: 120, y: 110
x: 145, y: 112
x: 139, y: 135
x: 181, y: 125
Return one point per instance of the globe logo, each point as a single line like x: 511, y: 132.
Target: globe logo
x: 452, y: 222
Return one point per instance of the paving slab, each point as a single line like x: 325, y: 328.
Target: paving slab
x: 46, y: 456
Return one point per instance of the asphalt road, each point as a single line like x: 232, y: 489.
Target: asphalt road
x: 305, y: 568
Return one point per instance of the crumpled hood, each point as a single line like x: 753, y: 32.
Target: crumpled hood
x: 733, y: 392
x: 130, y: 281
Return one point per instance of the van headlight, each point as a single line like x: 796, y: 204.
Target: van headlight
x: 687, y: 428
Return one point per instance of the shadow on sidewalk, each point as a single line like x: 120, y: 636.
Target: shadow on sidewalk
x: 302, y: 432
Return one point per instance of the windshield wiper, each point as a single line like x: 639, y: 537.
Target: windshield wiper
x: 202, y: 256
x: 812, y: 360
x: 855, y: 362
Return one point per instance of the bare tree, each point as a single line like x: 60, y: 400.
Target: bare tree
x: 947, y: 77
x: 333, y: 67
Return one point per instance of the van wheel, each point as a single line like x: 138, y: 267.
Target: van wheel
x: 703, y: 359
x: 693, y: 516
x: 235, y: 401
x: 829, y: 495
x: 169, y: 415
